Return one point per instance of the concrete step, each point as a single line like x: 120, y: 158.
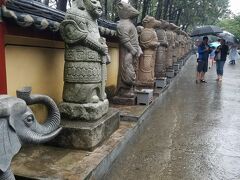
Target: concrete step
x: 46, y: 162
x: 87, y: 135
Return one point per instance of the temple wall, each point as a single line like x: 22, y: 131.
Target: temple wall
x: 39, y: 63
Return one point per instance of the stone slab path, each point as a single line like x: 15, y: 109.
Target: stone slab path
x: 193, y: 134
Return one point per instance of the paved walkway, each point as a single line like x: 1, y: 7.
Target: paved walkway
x: 194, y: 134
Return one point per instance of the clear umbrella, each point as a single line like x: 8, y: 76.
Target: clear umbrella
x: 229, y: 38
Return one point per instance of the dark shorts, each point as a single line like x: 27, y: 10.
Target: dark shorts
x: 202, y: 66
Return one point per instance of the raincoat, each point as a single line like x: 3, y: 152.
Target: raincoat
x: 233, y: 54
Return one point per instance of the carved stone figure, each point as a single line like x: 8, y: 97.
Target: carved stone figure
x: 171, y: 46
x: 129, y: 51
x: 149, y: 43
x: 160, y: 63
x: 86, y: 55
x: 189, y: 43
x: 186, y: 43
x: 175, y: 38
x: 178, y: 32
x: 183, y: 43
x: 18, y: 126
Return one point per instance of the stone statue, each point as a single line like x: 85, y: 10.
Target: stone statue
x: 189, y: 43
x: 18, y: 126
x: 175, y: 39
x: 183, y: 44
x: 129, y: 52
x: 160, y: 63
x: 86, y: 55
x: 186, y: 43
x: 171, y: 46
x: 180, y: 40
x: 149, y: 43
x: 179, y: 43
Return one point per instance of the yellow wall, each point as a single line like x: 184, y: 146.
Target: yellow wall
x: 39, y: 63
x: 112, y: 68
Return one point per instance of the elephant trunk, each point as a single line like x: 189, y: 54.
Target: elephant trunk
x: 31, y: 137
x: 53, y: 119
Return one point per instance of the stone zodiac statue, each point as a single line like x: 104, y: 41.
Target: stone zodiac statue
x: 19, y: 126
x: 183, y: 44
x: 175, y: 37
x: 171, y: 46
x: 160, y: 63
x: 86, y: 55
x: 149, y: 43
x: 130, y: 49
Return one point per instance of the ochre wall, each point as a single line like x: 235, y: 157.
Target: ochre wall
x: 112, y: 68
x: 39, y: 63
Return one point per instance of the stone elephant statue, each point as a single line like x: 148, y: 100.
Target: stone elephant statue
x: 19, y: 126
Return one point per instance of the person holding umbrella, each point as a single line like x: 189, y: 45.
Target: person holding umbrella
x: 203, y: 53
x: 220, y: 58
x: 233, y: 54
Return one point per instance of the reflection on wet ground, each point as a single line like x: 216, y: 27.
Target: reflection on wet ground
x: 194, y: 133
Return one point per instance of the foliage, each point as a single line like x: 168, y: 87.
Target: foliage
x: 185, y: 13
x: 231, y: 25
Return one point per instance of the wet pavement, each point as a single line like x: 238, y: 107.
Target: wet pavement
x: 193, y: 134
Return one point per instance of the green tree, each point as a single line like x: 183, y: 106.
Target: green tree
x: 185, y: 13
x: 231, y: 25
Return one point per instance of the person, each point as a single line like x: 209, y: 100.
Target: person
x: 211, y: 57
x: 203, y: 53
x: 220, y: 57
x: 233, y: 54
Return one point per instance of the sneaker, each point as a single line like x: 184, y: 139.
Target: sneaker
x: 203, y: 81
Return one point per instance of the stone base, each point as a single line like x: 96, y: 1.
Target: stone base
x: 145, y: 96
x: 170, y: 73
x: 176, y: 67
x: 124, y: 100
x: 83, y: 112
x: 85, y: 135
x: 181, y: 63
x: 156, y: 92
x: 161, y: 82
x: 145, y: 84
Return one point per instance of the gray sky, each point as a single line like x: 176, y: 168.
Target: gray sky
x: 235, y: 6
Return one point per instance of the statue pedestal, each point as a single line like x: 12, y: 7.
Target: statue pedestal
x: 84, y: 112
x: 87, y: 135
x: 145, y: 96
x: 145, y: 84
x: 181, y: 63
x: 124, y: 100
x: 161, y: 82
x: 176, y: 67
x: 170, y: 73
